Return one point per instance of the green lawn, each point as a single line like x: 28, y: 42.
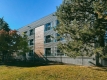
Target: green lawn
x: 53, y: 72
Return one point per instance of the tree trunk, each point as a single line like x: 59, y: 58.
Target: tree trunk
x: 97, y: 59
x: 101, y: 40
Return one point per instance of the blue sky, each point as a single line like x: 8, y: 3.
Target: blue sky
x: 18, y: 13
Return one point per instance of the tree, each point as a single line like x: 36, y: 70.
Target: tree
x: 23, y: 47
x: 83, y: 26
x: 3, y: 43
x: 11, y: 42
x: 4, y: 25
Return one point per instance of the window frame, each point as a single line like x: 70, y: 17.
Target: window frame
x: 31, y: 32
x: 31, y: 42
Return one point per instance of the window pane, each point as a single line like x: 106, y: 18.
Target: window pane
x: 58, y: 52
x: 57, y: 22
x: 47, y: 26
x: 25, y: 33
x: 48, y: 39
x: 48, y: 51
x: 30, y: 53
x: 31, y: 42
x: 31, y: 32
x: 58, y: 38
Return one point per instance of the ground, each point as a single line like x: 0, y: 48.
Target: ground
x: 52, y: 72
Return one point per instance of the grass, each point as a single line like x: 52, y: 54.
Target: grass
x: 53, y: 72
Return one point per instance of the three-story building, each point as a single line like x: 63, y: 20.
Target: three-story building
x: 43, y: 42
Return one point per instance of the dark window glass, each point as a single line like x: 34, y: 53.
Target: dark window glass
x: 31, y: 53
x: 25, y: 33
x: 48, y: 51
x: 48, y: 39
x: 31, y: 42
x: 31, y: 32
x: 59, y: 53
x: 57, y: 22
x: 47, y: 26
x: 58, y: 38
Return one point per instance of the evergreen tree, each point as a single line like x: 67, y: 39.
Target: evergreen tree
x: 4, y: 25
x: 83, y: 26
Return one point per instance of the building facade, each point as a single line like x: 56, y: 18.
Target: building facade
x: 44, y: 46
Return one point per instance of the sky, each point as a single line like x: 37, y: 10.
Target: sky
x: 19, y: 13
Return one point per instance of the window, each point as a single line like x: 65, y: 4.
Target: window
x: 31, y: 42
x: 48, y: 39
x: 57, y: 22
x: 30, y: 53
x: 58, y: 52
x: 25, y: 33
x: 47, y: 26
x: 31, y: 32
x: 105, y: 39
x: 58, y: 38
x: 48, y: 51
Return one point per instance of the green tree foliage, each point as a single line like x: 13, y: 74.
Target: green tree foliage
x: 12, y: 43
x: 4, y: 25
x: 83, y: 24
x: 23, y: 47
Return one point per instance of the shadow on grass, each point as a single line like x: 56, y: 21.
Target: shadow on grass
x: 30, y: 63
x: 98, y: 68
